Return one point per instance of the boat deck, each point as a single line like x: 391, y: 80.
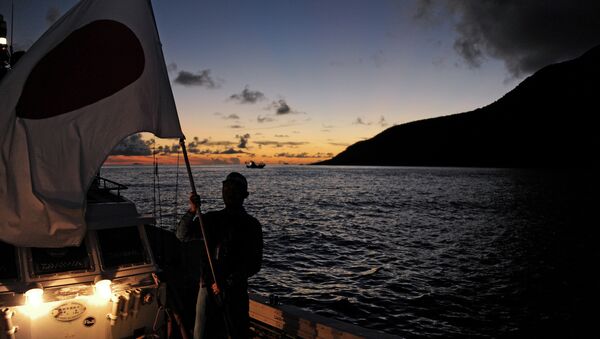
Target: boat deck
x: 180, y: 270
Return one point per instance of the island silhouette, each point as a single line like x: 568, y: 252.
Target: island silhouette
x: 547, y: 121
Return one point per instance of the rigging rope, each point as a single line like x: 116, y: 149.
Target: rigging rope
x: 158, y: 188
x: 154, y: 181
x: 176, y: 190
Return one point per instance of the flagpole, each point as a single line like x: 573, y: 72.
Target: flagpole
x: 202, y: 229
x: 198, y: 214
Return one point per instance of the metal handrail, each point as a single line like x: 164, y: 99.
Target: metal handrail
x: 103, y: 184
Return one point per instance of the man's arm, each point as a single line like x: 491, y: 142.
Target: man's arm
x: 189, y: 227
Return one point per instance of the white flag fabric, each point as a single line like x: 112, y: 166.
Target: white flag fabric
x: 95, y: 77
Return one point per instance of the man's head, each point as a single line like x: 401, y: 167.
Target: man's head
x: 235, y: 190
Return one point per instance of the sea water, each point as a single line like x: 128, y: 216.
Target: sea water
x: 416, y: 252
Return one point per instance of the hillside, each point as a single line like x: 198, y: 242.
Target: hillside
x: 546, y: 121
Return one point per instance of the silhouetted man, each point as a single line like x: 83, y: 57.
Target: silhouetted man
x: 235, y: 243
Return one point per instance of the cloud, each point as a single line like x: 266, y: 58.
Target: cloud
x: 235, y: 126
x: 133, y: 145
x: 303, y: 155
x: 525, y: 35
x: 202, y: 79
x: 382, y: 122
x: 207, y: 151
x: 281, y: 107
x: 231, y: 151
x: 243, y: 140
x: 264, y: 119
x: 281, y: 136
x: 194, y: 145
x: 359, y: 121
x: 339, y: 144
x: 247, y: 96
x: 52, y: 15
x: 231, y: 117
x: 280, y: 143
x: 163, y: 150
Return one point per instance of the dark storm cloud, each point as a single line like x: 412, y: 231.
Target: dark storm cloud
x: 525, y: 35
x: 52, y: 15
x: 133, y: 145
x: 243, y: 140
x: 202, y: 79
x: 247, y: 96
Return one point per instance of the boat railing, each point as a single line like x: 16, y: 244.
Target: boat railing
x: 106, y: 185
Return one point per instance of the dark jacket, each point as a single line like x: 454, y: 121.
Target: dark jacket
x: 235, y: 241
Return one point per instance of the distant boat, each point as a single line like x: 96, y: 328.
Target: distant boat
x: 252, y: 164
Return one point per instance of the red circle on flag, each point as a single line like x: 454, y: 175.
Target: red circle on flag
x: 92, y: 63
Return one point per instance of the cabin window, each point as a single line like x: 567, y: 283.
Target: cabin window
x: 122, y: 247
x: 8, y: 262
x: 60, y: 260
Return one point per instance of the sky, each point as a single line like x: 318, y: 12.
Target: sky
x: 293, y: 81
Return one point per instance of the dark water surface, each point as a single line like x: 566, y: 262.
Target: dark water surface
x: 417, y: 252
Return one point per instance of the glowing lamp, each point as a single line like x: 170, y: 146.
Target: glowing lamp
x: 34, y: 296
x: 103, y: 289
x: 3, y: 41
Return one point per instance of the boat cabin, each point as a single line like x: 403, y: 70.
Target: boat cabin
x: 105, y: 288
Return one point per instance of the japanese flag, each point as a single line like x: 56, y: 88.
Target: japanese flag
x: 95, y: 77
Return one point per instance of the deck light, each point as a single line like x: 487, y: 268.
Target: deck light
x: 3, y: 41
x: 102, y: 289
x: 34, y: 296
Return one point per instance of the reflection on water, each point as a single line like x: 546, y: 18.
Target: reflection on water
x: 417, y: 252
